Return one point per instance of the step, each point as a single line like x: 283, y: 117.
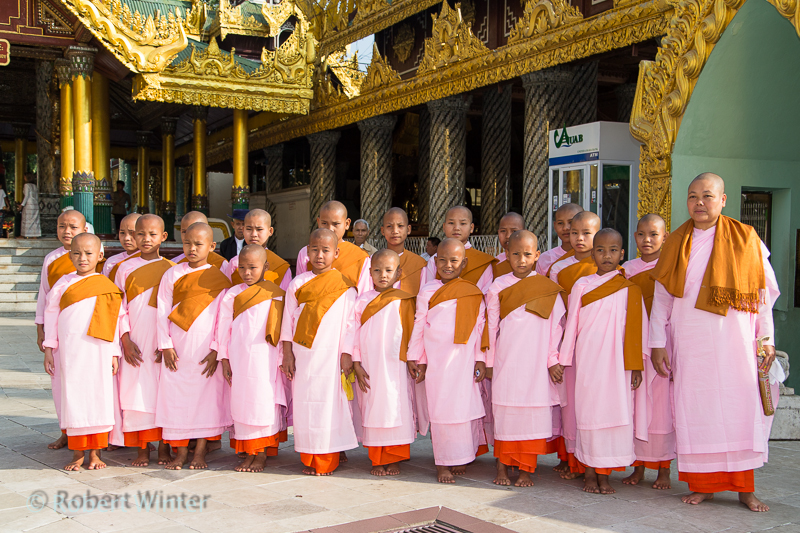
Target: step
x: 17, y: 287
x: 49, y: 244
x: 21, y: 260
x: 27, y: 252
x: 18, y: 296
x: 19, y: 277
x: 21, y: 268
x: 17, y: 307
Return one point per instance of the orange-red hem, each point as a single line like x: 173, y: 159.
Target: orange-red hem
x: 323, y: 463
x: 653, y: 465
x: 140, y: 439
x: 387, y: 455
x: 522, y: 453
x: 93, y: 441
x: 710, y: 482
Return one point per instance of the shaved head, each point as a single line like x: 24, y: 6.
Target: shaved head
x: 608, y: 236
x: 451, y: 246
x: 523, y: 236
x: 459, y: 210
x: 334, y: 206
x: 385, y: 255
x: 73, y: 214
x: 653, y: 218
x: 717, y: 182
x: 513, y: 218
x: 84, y: 239
x: 396, y: 211
x: 193, y: 217
x: 130, y: 219
x: 569, y: 210
x: 253, y: 251
x: 147, y: 220
x: 255, y: 214
x: 588, y: 218
x: 322, y: 235
x: 200, y: 229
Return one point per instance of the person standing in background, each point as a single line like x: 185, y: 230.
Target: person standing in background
x: 30, y: 228
x: 120, y: 203
x: 360, y: 234
x: 230, y: 247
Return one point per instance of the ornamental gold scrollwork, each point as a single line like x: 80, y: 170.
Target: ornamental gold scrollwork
x: 232, y: 20
x: 276, y: 15
x: 196, y: 19
x: 542, y: 16
x: 367, y: 8
x: 379, y: 72
x: 346, y: 71
x: 451, y: 41
x: 403, y: 42
x: 143, y: 44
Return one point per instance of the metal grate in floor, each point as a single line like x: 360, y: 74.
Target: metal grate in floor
x: 436, y: 527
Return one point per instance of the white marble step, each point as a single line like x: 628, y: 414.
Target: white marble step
x: 19, y: 277
x: 18, y: 296
x: 20, y: 269
x: 17, y: 307
x: 18, y: 287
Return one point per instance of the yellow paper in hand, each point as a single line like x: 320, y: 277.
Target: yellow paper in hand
x: 347, y: 384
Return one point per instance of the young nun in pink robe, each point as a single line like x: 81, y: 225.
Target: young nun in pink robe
x: 659, y: 450
x: 384, y: 319
x: 563, y: 217
x: 317, y: 335
x: 81, y: 327
x: 247, y: 344
x: 525, y: 317
x: 605, y: 341
x: 447, y: 349
x: 192, y: 398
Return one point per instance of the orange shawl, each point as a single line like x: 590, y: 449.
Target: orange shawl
x: 277, y: 269
x: 734, y: 276
x: 571, y: 274
x: 477, y: 263
x: 58, y: 268
x: 632, y: 351
x: 319, y: 294
x: 411, y: 265
x: 106, y: 307
x: 565, y: 256
x: 112, y: 274
x: 350, y: 261
x: 647, y: 285
x: 468, y: 305
x: 193, y: 293
x: 537, y: 293
x: 256, y: 294
x: 214, y: 259
x: 407, y: 308
x: 147, y: 277
x: 501, y: 269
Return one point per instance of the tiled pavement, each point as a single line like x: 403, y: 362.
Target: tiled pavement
x: 281, y: 499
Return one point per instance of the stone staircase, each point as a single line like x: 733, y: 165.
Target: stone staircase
x: 20, y: 268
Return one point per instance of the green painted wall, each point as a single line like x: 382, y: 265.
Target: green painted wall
x: 743, y: 123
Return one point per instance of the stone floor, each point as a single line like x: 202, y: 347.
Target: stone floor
x: 281, y: 499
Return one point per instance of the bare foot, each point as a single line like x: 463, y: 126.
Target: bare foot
x: 244, y: 466
x: 112, y: 447
x: 663, y: 481
x: 563, y: 466
x: 313, y: 472
x: 342, y: 457
x: 393, y: 469
x: 164, y: 453
x: 502, y: 474
x: 636, y: 477
x: 95, y: 463
x: 59, y: 443
x: 259, y: 462
x: 590, y: 483
x: 570, y: 475
x: 143, y: 457
x: 378, y: 470
x: 213, y: 445
x: 458, y: 470
x: 179, y: 460
x: 77, y: 461
x: 605, y: 487
x: 444, y: 475
x: 754, y: 504
x: 524, y: 479
x: 697, y: 498
x: 199, y: 458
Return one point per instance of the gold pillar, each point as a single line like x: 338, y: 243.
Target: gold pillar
x: 168, y: 166
x: 199, y: 190
x: 101, y: 141
x: 81, y: 67
x: 21, y: 132
x: 67, y: 145
x: 240, y: 195
x: 143, y: 171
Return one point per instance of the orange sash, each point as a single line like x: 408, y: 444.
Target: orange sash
x: 501, y: 269
x: 112, y: 274
x: 100, y: 265
x: 571, y: 274
x: 647, y: 285
x: 734, y: 276
x: 565, y: 256
x: 147, y: 277
x: 58, y: 268
x: 632, y: 352
x: 214, y: 259
x: 477, y: 263
x: 319, y: 294
x: 277, y: 269
x: 411, y: 264
x: 407, y: 308
x: 537, y: 293
x: 350, y: 261
x: 256, y: 294
x: 106, y: 307
x: 193, y: 293
x: 468, y: 305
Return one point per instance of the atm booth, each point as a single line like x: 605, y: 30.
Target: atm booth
x: 596, y: 166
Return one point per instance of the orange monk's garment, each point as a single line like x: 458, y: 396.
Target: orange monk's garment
x: 501, y: 269
x: 145, y: 278
x: 571, y: 274
x: 647, y: 285
x: 537, y: 293
x: 106, y: 307
x: 411, y: 266
x: 259, y: 293
x: 58, y: 268
x: 193, y: 293
x: 469, y: 299
x: 112, y: 274
x: 407, y: 309
x: 214, y: 259
x: 477, y: 263
x: 319, y: 295
x: 350, y: 261
x: 565, y: 256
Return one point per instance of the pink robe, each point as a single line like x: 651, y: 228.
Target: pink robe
x: 454, y: 399
x: 257, y: 395
x: 719, y: 423
x: 660, y: 444
x: 485, y: 280
x: 323, y: 422
x: 386, y: 409
x: 604, y: 402
x: 189, y: 404
x: 112, y: 261
x: 138, y: 386
x: 86, y: 380
x: 41, y: 304
x: 364, y: 279
x: 230, y: 267
x: 522, y: 347
x: 558, y: 266
x: 547, y: 259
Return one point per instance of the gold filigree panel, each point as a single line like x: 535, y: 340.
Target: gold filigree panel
x: 451, y: 41
x: 541, y: 16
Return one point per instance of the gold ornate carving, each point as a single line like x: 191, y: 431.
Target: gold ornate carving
x: 196, y: 19
x: 141, y: 44
x: 367, y: 8
x: 379, y: 72
x: 403, y: 42
x: 346, y: 71
x: 231, y: 20
x: 468, y: 11
x: 276, y: 15
x: 451, y: 41
x: 607, y: 31
x: 55, y: 22
x: 789, y: 9
x: 541, y: 16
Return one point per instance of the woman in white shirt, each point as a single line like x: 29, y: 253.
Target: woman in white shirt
x: 30, y: 228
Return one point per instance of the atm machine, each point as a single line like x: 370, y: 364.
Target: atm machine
x: 596, y: 166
